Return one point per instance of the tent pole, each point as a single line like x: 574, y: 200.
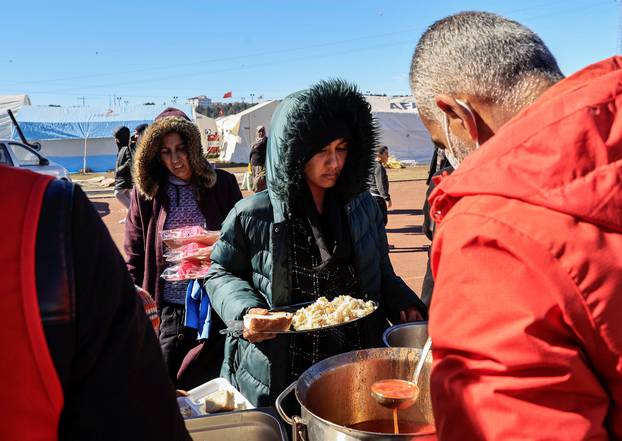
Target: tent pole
x: 84, y: 158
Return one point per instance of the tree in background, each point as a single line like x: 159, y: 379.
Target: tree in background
x: 223, y: 109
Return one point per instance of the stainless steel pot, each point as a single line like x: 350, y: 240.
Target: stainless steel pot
x: 406, y: 335
x: 335, y: 394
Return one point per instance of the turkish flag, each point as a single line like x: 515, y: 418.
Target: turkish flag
x: 228, y: 94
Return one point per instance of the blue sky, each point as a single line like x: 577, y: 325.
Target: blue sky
x: 152, y: 51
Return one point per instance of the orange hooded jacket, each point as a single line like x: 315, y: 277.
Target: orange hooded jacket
x: 526, y: 316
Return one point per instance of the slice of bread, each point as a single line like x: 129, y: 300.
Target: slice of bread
x: 273, y: 321
x: 219, y: 401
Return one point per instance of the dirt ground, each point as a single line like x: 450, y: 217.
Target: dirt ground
x: 409, y: 255
x: 102, y: 184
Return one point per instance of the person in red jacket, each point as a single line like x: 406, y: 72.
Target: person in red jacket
x: 527, y: 254
x: 79, y: 359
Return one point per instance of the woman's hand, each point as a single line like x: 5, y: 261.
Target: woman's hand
x: 411, y: 314
x: 255, y: 337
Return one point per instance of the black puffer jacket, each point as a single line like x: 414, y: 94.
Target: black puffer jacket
x: 258, y: 152
x: 123, y: 169
x: 105, y: 352
x: 125, y: 156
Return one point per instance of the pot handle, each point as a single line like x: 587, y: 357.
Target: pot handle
x: 299, y: 430
x: 279, y: 401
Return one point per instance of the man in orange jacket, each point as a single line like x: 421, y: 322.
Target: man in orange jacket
x: 527, y: 254
x: 79, y: 359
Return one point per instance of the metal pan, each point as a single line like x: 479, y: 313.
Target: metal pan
x: 249, y: 425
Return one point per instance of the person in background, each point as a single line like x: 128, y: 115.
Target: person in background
x: 125, y: 161
x: 175, y: 186
x: 258, y: 160
x: 438, y: 167
x: 139, y: 130
x: 316, y: 232
x: 379, y: 186
x: 123, y: 167
x: 79, y: 359
x: 527, y: 252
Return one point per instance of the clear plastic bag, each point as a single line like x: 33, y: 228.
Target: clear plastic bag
x: 184, y: 235
x: 187, y: 270
x: 192, y: 250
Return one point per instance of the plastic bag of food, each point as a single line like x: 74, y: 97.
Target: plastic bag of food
x: 187, y: 270
x: 192, y: 250
x: 180, y: 236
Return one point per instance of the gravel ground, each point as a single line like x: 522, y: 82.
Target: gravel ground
x: 102, y: 184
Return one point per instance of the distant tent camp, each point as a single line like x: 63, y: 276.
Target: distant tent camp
x: 81, y: 137
x: 401, y: 128
x: 13, y: 103
x: 237, y: 132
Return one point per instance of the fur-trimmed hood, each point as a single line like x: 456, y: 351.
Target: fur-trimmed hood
x: 298, y: 131
x: 150, y: 173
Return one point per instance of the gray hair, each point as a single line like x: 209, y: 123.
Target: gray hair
x: 483, y: 55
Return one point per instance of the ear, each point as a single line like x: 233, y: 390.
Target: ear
x: 459, y: 114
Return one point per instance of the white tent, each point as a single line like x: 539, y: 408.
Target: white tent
x: 14, y: 103
x: 401, y: 128
x: 81, y: 137
x: 237, y: 132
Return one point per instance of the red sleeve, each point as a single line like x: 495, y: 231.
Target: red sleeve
x: 508, y: 363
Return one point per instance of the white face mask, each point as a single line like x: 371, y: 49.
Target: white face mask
x: 448, y: 152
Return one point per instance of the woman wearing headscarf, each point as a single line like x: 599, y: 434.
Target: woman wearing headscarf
x: 317, y: 231
x: 175, y: 186
x: 257, y: 160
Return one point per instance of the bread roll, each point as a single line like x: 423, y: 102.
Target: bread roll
x: 273, y: 321
x: 219, y: 401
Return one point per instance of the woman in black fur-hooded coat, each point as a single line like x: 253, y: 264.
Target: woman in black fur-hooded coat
x: 315, y: 232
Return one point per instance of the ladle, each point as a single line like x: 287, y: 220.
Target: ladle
x: 401, y: 394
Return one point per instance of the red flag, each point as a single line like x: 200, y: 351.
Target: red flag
x: 228, y: 94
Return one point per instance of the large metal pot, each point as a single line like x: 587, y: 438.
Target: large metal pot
x: 335, y: 394
x: 406, y: 335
